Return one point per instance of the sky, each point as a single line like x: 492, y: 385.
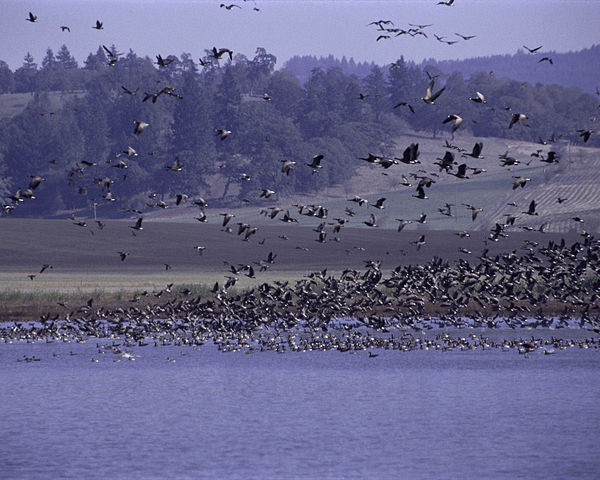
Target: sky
x: 293, y: 27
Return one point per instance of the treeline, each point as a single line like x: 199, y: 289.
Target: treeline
x: 87, y: 151
x: 571, y: 69
x: 303, y: 66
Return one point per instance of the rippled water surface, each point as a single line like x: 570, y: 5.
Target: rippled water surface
x: 420, y: 414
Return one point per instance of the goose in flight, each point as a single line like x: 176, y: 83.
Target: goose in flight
x: 371, y: 222
x: 163, y: 62
x: 140, y: 127
x: 431, y: 97
x: 478, y: 98
x: 584, y: 134
x: 379, y: 203
x: 410, y: 154
x: 520, y: 182
x: 176, y: 166
x: 531, y: 209
x: 403, y: 223
x: 35, y: 181
x: 532, y: 50
x: 419, y: 242
x: 405, y: 104
x: 222, y: 133
x: 474, y: 210
x: 99, y: 25
x: 476, y: 152
x: 316, y: 162
x: 518, y: 118
x: 287, y: 166
x: 32, y: 18
x: 138, y: 224
x: 457, y: 122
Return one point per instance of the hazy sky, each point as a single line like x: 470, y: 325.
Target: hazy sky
x: 293, y: 27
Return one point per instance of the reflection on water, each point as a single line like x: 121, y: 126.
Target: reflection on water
x: 321, y: 414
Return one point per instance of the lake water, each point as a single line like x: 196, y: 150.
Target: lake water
x: 323, y: 415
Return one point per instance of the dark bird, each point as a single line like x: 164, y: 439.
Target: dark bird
x: 520, y: 182
x: 476, y: 152
x: 420, y: 193
x: 461, y: 172
x: 164, y: 62
x: 316, y: 162
x: 447, y: 162
x: 176, y: 166
x: 411, y: 154
x: 379, y: 203
x: 532, y: 50
x: 465, y: 37
x: 371, y: 222
x: 32, y: 18
x: 517, y: 118
x: 123, y: 255
x: 419, y: 242
x: 217, y: 54
x: 229, y: 7
x: 45, y: 267
x: 584, y: 134
x: 226, y: 218
x: 405, y: 104
x: 99, y: 25
x: 531, y: 209
x: 128, y: 91
x: 138, y: 224
x: 546, y: 59
x: 65, y: 28
x: 35, y: 181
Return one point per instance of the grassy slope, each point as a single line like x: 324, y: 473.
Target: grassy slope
x: 12, y: 104
x: 579, y: 166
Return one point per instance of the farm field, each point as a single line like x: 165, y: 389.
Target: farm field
x: 576, y: 178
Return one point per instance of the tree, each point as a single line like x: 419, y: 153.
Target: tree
x: 65, y: 60
x: 7, y: 78
x: 193, y: 136
x: 25, y: 75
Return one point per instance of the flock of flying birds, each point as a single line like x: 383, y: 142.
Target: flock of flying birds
x: 452, y: 163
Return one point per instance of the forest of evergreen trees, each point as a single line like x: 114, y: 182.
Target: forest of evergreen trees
x: 85, y: 148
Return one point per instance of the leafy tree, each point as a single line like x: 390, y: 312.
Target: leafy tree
x: 7, y: 78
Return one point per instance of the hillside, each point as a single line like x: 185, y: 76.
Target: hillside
x: 575, y: 177
x: 524, y: 67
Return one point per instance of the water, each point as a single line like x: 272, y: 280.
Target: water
x: 325, y: 415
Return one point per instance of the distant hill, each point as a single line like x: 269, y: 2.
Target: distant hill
x: 524, y: 66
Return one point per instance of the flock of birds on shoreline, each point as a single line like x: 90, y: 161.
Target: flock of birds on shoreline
x: 506, y: 291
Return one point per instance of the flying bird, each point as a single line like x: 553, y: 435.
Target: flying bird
x: 316, y: 162
x: 140, y: 127
x: 99, y: 25
x: 431, y: 97
x: 532, y: 50
x: 32, y: 18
